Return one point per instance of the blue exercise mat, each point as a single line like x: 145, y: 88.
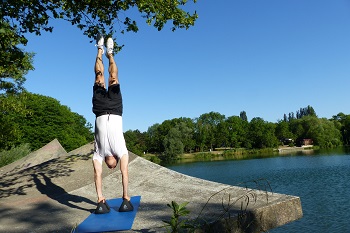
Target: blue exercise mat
x: 113, y: 221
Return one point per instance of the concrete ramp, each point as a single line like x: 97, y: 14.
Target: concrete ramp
x: 49, y: 151
x: 224, y: 207
x: 58, y: 194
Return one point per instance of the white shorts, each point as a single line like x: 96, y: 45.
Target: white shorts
x: 109, y: 137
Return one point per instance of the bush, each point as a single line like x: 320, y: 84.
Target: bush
x: 15, y: 153
x: 203, y: 155
x: 155, y: 159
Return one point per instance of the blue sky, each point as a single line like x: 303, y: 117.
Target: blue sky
x: 265, y: 57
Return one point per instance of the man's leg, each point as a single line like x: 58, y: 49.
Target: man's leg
x: 102, y: 206
x: 124, y: 162
x: 99, y: 69
x: 99, y: 80
x: 98, y: 179
x: 112, y: 69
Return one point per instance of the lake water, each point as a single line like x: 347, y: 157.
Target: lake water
x: 321, y: 180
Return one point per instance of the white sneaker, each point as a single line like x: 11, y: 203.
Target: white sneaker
x: 99, y: 42
x: 109, y: 45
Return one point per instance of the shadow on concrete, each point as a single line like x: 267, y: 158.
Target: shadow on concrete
x: 57, y: 193
x: 39, y: 217
x: 21, y: 192
x: 16, y: 182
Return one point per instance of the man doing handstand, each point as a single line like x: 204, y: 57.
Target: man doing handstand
x: 109, y: 139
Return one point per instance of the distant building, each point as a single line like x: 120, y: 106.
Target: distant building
x: 305, y: 142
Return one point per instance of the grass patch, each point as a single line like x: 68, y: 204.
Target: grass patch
x: 153, y: 158
x: 203, y: 155
x: 234, y: 153
x: 15, y: 153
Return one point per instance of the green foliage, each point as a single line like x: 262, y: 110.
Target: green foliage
x: 175, y: 224
x: 203, y: 155
x: 323, y: 132
x: 213, y: 130
x: 178, y: 138
x: 262, y: 134
x: 158, y: 137
x: 156, y: 134
x: 342, y: 122
x: 93, y: 17
x: 282, y: 130
x: 172, y: 144
x: 243, y: 116
x: 155, y: 159
x: 14, y: 62
x: 186, y: 128
x: 237, y: 132
x: 307, y: 111
x: 135, y: 141
x: 45, y: 120
x: 12, y: 106
x: 206, y: 129
x: 15, y: 153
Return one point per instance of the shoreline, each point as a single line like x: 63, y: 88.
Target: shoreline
x: 285, y: 150
x: 236, y: 154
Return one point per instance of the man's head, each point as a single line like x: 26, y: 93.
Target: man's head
x: 111, y: 161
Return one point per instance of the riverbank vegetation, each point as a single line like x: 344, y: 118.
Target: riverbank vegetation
x: 236, y: 136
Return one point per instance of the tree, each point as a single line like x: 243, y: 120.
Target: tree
x: 172, y: 144
x: 93, y: 17
x: 158, y: 132
x: 186, y: 128
x: 262, y: 134
x: 238, y: 129
x: 291, y: 116
x: 345, y: 130
x: 243, y: 116
x: 153, y: 138
x: 344, y: 127
x: 135, y: 141
x: 47, y: 120
x: 322, y: 131
x: 11, y: 107
x: 282, y: 130
x: 308, y: 111
x: 332, y: 135
x: 15, y: 63
x: 297, y: 129
x: 222, y: 135
x: 206, y: 129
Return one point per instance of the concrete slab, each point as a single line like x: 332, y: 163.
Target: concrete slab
x: 58, y: 194
x: 49, y: 151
